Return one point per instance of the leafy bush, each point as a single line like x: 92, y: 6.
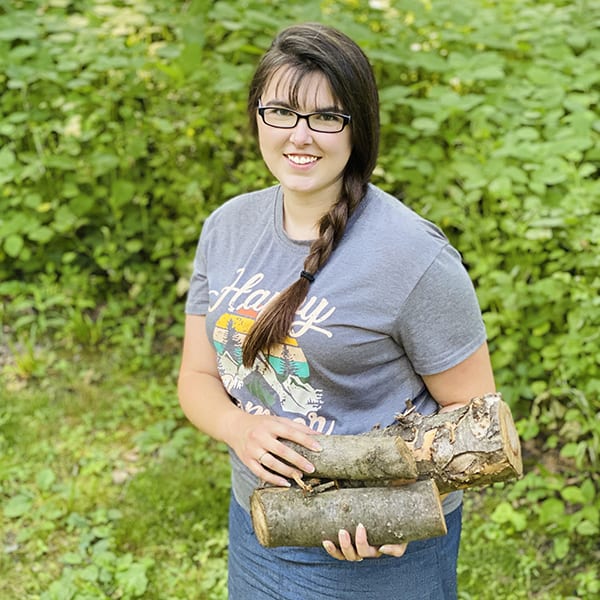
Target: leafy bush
x: 122, y: 126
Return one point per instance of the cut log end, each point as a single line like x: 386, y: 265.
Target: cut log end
x: 512, y: 444
x: 259, y: 518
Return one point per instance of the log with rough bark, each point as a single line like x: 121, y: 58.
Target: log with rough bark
x: 361, y: 457
x: 472, y: 446
x: 391, y: 515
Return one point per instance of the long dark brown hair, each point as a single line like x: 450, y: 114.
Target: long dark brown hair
x: 303, y: 50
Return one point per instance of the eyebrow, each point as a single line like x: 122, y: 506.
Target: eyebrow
x: 285, y: 104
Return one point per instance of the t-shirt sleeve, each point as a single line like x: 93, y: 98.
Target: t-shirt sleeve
x: 197, y: 298
x: 440, y: 323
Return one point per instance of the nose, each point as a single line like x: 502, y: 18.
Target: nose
x: 301, y: 134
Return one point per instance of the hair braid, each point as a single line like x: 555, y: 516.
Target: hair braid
x: 275, y: 322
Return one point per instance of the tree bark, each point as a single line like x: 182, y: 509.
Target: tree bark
x: 391, y: 515
x: 368, y: 456
x: 472, y: 446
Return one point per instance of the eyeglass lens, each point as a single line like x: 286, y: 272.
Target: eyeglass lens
x: 321, y: 121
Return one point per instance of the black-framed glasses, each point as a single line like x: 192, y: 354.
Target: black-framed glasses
x: 286, y: 118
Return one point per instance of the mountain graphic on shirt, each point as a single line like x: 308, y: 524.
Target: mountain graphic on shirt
x: 281, y: 377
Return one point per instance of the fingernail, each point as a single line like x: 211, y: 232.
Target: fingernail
x: 309, y: 468
x: 384, y: 549
x: 316, y: 447
x: 360, y: 525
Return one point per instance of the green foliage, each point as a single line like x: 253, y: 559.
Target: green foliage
x: 123, y: 125
x: 105, y: 496
x: 505, y: 553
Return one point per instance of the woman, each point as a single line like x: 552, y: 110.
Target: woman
x: 322, y: 305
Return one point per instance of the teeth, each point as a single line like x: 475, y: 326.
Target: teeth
x: 302, y: 160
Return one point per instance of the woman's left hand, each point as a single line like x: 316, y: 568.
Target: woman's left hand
x: 347, y: 550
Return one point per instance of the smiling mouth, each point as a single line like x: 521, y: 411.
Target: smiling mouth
x: 302, y: 159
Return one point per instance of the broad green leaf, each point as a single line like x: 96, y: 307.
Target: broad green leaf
x: 490, y: 72
x: 133, y: 580
x: 61, y: 162
x: 573, y: 495
x: 122, y: 191
x: 45, y: 479
x: 425, y: 125
x: 17, y: 506
x: 7, y: 158
x: 90, y: 573
x: 505, y: 513
x: 551, y: 510
x: 561, y: 547
x: 103, y: 162
x: 16, y: 29
x: 81, y: 205
x: 13, y: 244
x: 587, y: 528
x: 500, y: 186
x: 64, y: 219
x: 41, y: 235
x: 71, y: 558
x: 588, y: 491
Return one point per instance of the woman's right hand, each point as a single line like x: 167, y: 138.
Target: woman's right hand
x: 258, y: 441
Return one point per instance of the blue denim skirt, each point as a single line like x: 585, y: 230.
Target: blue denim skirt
x: 427, y: 571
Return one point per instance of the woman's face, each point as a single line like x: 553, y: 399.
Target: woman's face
x: 307, y: 164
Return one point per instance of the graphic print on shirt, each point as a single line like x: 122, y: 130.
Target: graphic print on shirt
x: 281, y: 377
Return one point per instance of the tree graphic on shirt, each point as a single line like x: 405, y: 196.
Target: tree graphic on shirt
x: 231, y: 343
x: 288, y: 366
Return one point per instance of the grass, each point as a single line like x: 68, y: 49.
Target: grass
x: 107, y: 492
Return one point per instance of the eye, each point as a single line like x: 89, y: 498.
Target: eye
x: 328, y: 117
x: 280, y: 112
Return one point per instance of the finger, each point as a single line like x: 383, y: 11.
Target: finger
x: 291, y: 457
x: 347, y: 547
x: 396, y: 550
x: 262, y: 471
x: 333, y: 550
x: 279, y: 467
x: 299, y: 433
x: 362, y: 544
x: 268, y: 476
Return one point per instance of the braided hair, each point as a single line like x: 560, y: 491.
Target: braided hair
x: 303, y: 50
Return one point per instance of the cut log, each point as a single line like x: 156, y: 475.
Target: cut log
x: 472, y: 446
x: 391, y: 515
x: 369, y: 456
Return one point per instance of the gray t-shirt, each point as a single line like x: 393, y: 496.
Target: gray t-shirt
x: 393, y: 302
